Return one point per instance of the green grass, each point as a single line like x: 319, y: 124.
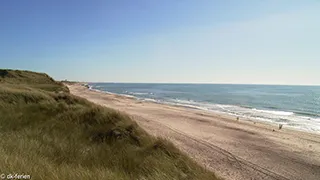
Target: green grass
x: 50, y: 134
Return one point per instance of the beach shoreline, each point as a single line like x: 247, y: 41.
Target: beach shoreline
x: 291, y: 108
x: 234, y: 149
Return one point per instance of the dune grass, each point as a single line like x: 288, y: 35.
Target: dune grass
x: 50, y: 134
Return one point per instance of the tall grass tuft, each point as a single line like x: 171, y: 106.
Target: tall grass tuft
x: 50, y: 134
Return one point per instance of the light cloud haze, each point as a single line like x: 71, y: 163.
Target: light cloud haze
x: 267, y: 42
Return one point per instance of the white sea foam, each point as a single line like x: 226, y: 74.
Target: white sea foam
x: 137, y: 93
x: 97, y: 90
x: 150, y: 100
x: 271, y: 116
x: 108, y: 92
x: 126, y: 95
x: 283, y: 113
x: 289, y: 119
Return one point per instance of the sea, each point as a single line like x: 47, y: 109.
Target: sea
x: 292, y: 106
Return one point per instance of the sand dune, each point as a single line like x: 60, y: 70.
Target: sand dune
x: 233, y: 149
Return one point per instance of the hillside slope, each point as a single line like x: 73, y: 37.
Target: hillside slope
x: 48, y: 133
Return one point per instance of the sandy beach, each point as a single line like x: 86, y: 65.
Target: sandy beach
x: 233, y: 149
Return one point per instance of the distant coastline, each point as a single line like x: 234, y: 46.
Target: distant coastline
x: 277, y: 114
x: 198, y: 83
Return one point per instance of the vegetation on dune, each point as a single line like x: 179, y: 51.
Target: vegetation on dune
x: 27, y: 79
x: 50, y: 134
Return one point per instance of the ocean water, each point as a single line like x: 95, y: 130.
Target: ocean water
x: 294, y: 106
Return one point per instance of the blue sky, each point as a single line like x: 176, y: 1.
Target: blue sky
x: 186, y: 41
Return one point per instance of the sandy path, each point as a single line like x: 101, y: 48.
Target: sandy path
x: 232, y: 149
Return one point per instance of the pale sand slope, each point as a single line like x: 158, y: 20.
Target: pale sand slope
x: 232, y: 149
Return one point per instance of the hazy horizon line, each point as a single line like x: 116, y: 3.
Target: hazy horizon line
x: 197, y: 83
